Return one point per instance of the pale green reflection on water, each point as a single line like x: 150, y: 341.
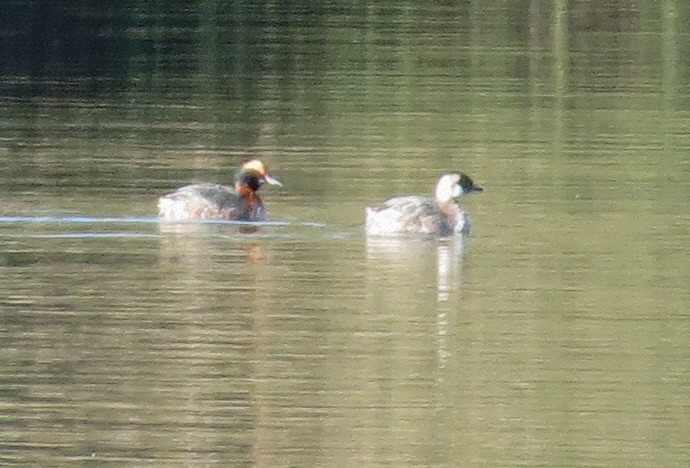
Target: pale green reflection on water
x: 556, y: 335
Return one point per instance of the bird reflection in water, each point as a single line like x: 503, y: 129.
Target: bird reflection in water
x: 412, y: 267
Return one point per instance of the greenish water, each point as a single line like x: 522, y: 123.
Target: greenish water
x: 556, y: 335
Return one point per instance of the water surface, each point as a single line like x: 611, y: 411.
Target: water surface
x: 556, y: 334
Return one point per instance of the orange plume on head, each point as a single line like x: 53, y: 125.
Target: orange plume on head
x: 254, y: 165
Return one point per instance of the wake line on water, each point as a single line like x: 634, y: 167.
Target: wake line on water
x: 142, y: 220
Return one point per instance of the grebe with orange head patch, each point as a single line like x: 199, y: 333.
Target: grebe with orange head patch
x: 222, y: 202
